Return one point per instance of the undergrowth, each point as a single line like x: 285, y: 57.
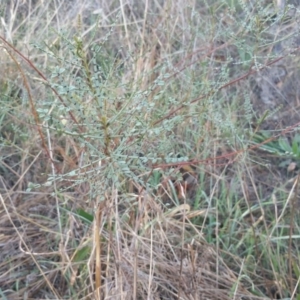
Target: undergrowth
x: 136, y: 162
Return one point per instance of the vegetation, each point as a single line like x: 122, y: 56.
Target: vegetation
x: 149, y: 150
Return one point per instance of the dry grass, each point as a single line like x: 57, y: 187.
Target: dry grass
x: 150, y: 255
x: 129, y: 160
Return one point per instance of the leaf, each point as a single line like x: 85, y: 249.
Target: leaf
x: 295, y: 147
x: 284, y: 145
x: 85, y: 216
x: 82, y: 254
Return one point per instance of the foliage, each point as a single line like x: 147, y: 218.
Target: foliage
x: 125, y: 169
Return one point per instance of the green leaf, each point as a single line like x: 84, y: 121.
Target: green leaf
x: 284, y: 145
x: 295, y: 147
x: 85, y: 216
x: 82, y: 254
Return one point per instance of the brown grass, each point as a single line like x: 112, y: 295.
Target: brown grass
x: 83, y: 217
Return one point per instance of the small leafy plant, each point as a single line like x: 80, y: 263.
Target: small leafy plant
x: 282, y: 146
